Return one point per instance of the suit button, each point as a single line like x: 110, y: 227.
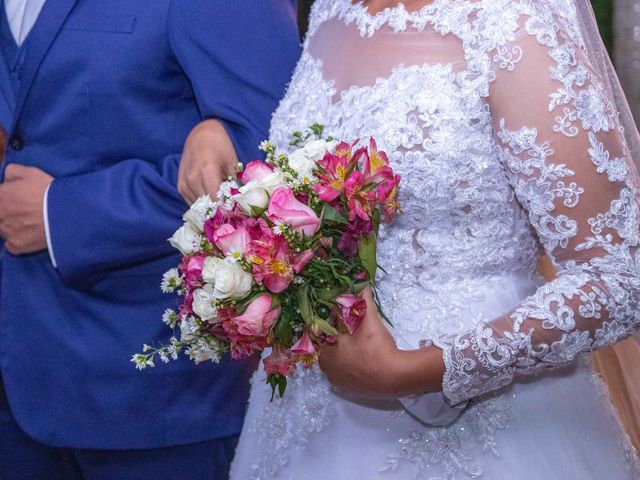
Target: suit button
x: 16, y: 142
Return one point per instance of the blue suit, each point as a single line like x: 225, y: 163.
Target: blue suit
x: 102, y: 97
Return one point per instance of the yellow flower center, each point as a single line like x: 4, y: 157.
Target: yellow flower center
x: 278, y: 267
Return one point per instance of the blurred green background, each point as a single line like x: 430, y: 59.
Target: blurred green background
x: 603, y: 9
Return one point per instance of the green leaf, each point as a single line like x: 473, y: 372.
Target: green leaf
x: 304, y: 304
x: 367, y: 255
x: 324, y: 327
x: 330, y: 214
x: 284, y: 331
x: 376, y: 220
x: 257, y: 211
x: 282, y: 385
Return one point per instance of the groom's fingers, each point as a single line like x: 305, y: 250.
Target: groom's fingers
x: 15, y: 171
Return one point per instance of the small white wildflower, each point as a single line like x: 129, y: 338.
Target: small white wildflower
x: 224, y: 192
x: 278, y: 227
x: 164, y: 357
x: 264, y: 145
x: 298, y: 280
x: 140, y: 361
x: 170, y: 318
x: 188, y: 329
x: 171, y: 281
x: 234, y: 255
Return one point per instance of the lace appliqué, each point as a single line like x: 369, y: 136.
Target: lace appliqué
x: 287, y: 423
x: 456, y: 449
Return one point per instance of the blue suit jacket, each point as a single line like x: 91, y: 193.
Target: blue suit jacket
x: 109, y: 92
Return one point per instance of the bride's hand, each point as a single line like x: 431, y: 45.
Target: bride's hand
x: 369, y: 363
x: 208, y: 158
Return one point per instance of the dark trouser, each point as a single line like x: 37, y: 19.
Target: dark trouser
x: 22, y: 458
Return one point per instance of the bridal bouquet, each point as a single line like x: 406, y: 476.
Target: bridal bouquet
x: 280, y: 258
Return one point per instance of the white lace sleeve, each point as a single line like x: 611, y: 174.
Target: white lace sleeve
x: 566, y: 159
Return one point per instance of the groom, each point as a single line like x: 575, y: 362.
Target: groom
x: 96, y: 98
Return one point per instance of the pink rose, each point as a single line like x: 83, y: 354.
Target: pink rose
x: 284, y: 206
x: 255, y: 170
x: 231, y: 240
x: 258, y: 317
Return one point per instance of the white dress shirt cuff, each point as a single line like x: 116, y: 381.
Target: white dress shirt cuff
x: 45, y: 209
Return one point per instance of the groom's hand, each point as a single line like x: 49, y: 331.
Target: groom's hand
x: 21, y: 209
x: 208, y: 159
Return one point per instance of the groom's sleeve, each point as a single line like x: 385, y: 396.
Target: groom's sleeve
x: 238, y: 55
x: 238, y: 61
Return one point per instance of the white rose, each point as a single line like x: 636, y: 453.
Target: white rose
x: 301, y: 163
x: 203, y: 302
x: 252, y: 194
x: 272, y: 182
x: 316, y: 150
x: 229, y: 280
x: 209, y: 268
x: 186, y: 239
x: 197, y: 214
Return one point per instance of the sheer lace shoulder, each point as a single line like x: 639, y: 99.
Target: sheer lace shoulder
x: 565, y: 155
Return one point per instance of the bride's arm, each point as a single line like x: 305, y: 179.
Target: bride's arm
x: 565, y: 156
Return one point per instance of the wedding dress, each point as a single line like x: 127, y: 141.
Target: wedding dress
x: 507, y: 146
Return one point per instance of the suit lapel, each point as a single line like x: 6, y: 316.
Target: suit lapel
x: 51, y: 18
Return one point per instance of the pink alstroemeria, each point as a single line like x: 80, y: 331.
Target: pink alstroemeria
x: 335, y: 170
x: 388, y: 197
x: 258, y: 317
x: 300, y: 260
x: 360, y: 199
x: 270, y: 260
x: 191, y: 268
x: 376, y: 164
x: 284, y: 206
x: 278, y: 362
x: 304, y: 349
x: 255, y: 170
x: 230, y: 240
x: 352, y: 310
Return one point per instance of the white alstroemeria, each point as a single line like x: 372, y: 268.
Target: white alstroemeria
x: 203, y: 299
x: 226, y: 279
x: 186, y: 239
x: 171, y: 281
x: 200, y: 211
x: 252, y: 195
x: 170, y: 318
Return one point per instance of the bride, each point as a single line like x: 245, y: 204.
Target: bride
x: 501, y: 118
